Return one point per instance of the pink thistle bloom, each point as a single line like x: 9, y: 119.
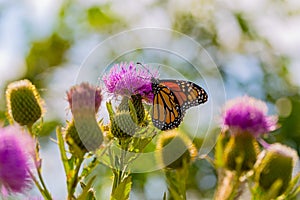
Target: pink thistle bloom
x: 84, y: 96
x: 17, y: 155
x: 248, y: 114
x: 126, y: 80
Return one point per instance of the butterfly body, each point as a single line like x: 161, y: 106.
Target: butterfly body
x: 171, y: 100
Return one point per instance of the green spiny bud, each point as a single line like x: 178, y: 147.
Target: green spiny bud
x: 174, y: 149
x: 275, y: 164
x: 89, y: 131
x: 122, y: 125
x: 123, y: 105
x: 241, y: 152
x: 85, y: 100
x: 139, y: 108
x: 73, y: 138
x: 136, y: 107
x: 23, y: 102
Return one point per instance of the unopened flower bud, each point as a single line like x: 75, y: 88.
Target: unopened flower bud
x: 23, y: 102
x: 85, y: 101
x: 275, y: 164
x: 72, y: 137
x: 139, y: 108
x: 122, y: 125
x: 174, y: 149
x: 241, y: 152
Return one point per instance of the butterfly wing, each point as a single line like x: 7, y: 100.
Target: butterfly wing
x: 166, y: 113
x: 187, y: 93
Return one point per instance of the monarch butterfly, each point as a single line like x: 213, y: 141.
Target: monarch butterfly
x: 171, y: 100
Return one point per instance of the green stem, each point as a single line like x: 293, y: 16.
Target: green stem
x: 72, y: 183
x: 47, y: 193
x: 115, y: 172
x: 176, y: 180
x: 62, y: 150
x: 121, y: 166
x: 119, y: 172
x: 40, y: 188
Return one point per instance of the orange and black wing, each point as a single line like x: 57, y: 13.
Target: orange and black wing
x: 188, y: 94
x: 166, y: 112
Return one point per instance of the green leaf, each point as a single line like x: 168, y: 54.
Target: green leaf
x: 292, y: 191
x: 62, y: 150
x: 89, y: 168
x: 43, y: 55
x: 174, y: 194
x: 110, y: 110
x: 102, y: 18
x: 176, y: 180
x: 42, y: 128
x: 133, y: 113
x: 123, y: 190
x: 274, y: 190
x: 142, y: 138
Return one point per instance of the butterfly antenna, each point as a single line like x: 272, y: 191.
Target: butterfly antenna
x: 139, y: 63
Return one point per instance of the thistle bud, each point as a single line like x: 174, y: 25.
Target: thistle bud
x: 85, y: 101
x: 84, y: 97
x: 139, y: 108
x: 23, y: 102
x: 85, y: 133
x: 72, y: 138
x: 174, y: 149
x: 135, y: 107
x: 122, y: 125
x: 241, y: 152
x: 124, y: 106
x: 275, y: 164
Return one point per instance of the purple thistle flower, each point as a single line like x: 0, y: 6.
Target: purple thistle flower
x: 84, y: 96
x: 248, y: 114
x: 126, y: 80
x: 17, y: 148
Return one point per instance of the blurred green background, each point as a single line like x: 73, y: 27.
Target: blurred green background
x: 255, y: 44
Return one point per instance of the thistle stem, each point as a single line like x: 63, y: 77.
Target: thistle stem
x: 41, y: 186
x: 72, y: 183
x: 43, y: 192
x: 47, y: 194
x: 119, y: 172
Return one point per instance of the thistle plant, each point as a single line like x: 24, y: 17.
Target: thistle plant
x: 244, y: 162
x: 83, y: 135
x: 175, y: 152
x: 128, y: 121
x: 25, y: 107
x: 273, y: 173
x: 238, y: 153
x: 84, y: 101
